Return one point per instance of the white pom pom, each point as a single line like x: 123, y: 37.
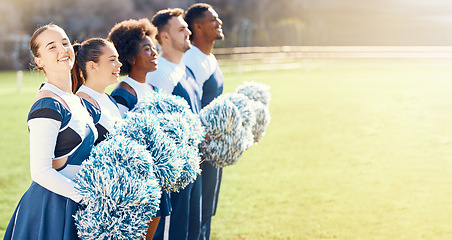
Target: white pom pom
x: 255, y: 91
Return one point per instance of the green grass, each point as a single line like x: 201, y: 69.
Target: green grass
x: 355, y: 150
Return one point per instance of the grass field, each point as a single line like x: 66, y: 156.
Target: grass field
x: 356, y: 150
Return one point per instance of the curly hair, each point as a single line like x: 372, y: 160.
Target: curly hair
x: 194, y: 13
x: 161, y: 18
x: 127, y: 36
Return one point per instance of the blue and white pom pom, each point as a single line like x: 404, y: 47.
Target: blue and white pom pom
x: 160, y: 102
x: 144, y: 127
x: 182, y: 126
x: 187, y: 134
x: 122, y: 196
x: 262, y: 120
x: 227, y: 138
x: 255, y: 91
x: 260, y: 96
x: 245, y: 106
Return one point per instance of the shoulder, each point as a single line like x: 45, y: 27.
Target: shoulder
x: 49, y: 105
x: 158, y: 75
x: 112, y: 99
x: 124, y: 95
x: 87, y: 98
x: 125, y: 86
x: 192, y: 57
x: 93, y: 110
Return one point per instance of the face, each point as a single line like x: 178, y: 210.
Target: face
x: 109, y: 65
x: 212, y: 25
x: 178, y: 34
x: 146, y: 59
x: 55, y: 51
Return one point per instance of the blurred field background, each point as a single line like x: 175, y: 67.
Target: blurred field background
x: 357, y: 149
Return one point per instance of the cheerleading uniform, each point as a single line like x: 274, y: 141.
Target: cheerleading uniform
x: 108, y: 108
x: 185, y: 219
x: 126, y: 102
x: 210, y: 80
x: 57, y: 130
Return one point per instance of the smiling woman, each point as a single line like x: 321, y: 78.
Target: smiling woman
x: 137, y: 52
x: 97, y: 66
x: 62, y: 134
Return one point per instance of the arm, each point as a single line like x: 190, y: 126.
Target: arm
x: 43, y: 136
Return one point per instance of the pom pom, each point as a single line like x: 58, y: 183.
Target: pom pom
x: 245, y: 106
x: 260, y: 96
x: 262, y: 120
x: 144, y: 127
x: 228, y: 139
x: 187, y: 134
x: 121, y: 194
x: 160, y: 102
x: 255, y: 91
x: 182, y: 126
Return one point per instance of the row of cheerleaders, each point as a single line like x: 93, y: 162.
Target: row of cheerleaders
x: 159, y: 146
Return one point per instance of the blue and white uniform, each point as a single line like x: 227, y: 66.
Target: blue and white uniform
x: 60, y: 127
x: 210, y: 80
x: 126, y: 102
x: 185, y: 219
x: 109, y: 111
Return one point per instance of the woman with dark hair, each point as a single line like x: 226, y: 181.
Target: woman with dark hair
x: 96, y: 67
x: 137, y: 52
x: 62, y: 134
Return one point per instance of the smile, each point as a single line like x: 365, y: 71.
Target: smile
x: 63, y: 59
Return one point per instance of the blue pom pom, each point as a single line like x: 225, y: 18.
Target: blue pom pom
x: 255, y: 91
x: 228, y: 138
x: 260, y: 96
x: 144, y: 127
x: 183, y: 127
x: 161, y: 102
x: 262, y: 120
x: 245, y: 106
x: 187, y: 134
x: 121, y: 194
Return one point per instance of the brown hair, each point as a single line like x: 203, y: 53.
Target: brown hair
x: 88, y: 50
x: 34, y: 46
x: 161, y: 18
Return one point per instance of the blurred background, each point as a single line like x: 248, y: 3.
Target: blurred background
x: 247, y: 23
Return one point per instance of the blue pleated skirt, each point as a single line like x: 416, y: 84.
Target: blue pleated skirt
x: 43, y: 215
x: 165, y: 205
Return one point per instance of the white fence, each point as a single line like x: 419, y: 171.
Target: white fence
x: 289, y: 57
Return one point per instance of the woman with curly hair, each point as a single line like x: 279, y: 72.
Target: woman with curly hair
x: 138, y: 54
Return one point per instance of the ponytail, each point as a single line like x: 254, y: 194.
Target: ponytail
x: 76, y: 73
x: 88, y: 50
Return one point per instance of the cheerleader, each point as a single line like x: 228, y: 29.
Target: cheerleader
x: 174, y: 78
x: 96, y: 67
x: 62, y: 134
x: 137, y: 52
x: 206, y: 28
